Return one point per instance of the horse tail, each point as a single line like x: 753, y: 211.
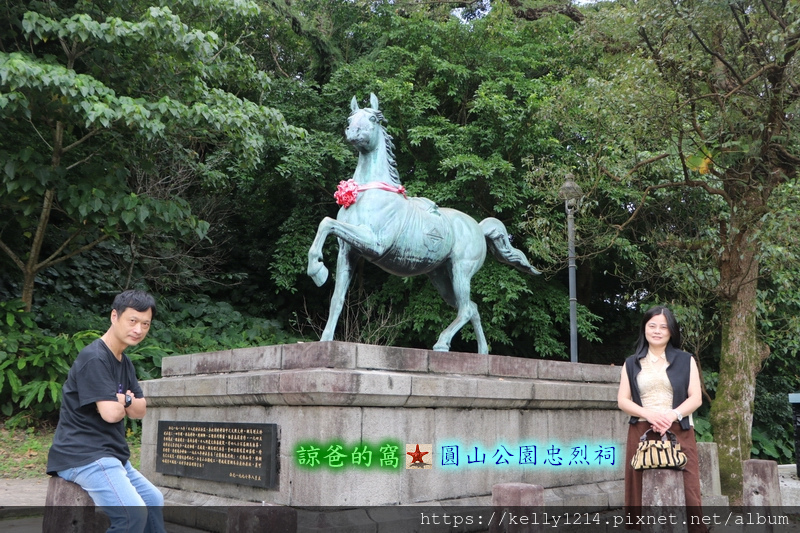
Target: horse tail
x: 500, y: 244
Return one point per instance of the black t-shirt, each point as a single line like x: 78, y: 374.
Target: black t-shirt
x: 82, y: 436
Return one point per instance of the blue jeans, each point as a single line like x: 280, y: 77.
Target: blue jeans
x: 132, y: 503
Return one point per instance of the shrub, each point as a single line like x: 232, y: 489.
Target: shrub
x: 33, y: 365
x: 34, y: 362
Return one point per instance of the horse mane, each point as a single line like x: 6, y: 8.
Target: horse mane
x: 393, y: 173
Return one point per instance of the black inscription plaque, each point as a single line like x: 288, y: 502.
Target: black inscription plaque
x: 245, y: 454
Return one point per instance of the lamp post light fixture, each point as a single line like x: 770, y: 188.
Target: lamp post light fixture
x: 572, y: 195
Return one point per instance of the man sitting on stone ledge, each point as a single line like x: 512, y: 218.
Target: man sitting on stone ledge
x: 89, y: 446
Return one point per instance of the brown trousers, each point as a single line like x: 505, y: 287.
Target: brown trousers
x: 691, y: 475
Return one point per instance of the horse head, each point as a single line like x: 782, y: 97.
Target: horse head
x: 364, y: 125
x: 373, y: 142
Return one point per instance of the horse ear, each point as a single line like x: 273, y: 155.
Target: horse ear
x: 373, y: 101
x: 354, y: 105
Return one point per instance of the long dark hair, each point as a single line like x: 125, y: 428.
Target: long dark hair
x: 672, y: 325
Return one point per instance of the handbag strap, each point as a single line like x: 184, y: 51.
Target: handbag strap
x: 672, y: 437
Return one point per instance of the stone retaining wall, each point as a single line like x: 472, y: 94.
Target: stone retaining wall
x: 360, y: 393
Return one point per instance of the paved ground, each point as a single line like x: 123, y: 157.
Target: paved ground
x: 32, y: 492
x: 23, y: 492
x: 19, y: 497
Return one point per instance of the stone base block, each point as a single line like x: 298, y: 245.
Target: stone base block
x: 663, y: 487
x: 517, y: 495
x: 267, y: 519
x: 70, y: 509
x: 761, y: 487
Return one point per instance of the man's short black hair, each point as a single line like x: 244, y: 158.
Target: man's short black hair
x: 139, y: 300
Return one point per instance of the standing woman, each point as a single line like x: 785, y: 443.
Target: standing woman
x: 660, y: 389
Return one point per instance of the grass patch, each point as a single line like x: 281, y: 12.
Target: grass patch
x: 23, y: 451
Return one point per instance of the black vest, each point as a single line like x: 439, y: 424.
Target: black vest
x: 678, y: 373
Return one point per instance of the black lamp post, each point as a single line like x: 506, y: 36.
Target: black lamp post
x: 572, y: 195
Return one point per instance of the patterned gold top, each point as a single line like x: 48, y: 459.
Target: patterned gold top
x: 655, y: 390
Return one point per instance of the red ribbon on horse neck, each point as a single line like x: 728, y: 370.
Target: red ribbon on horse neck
x: 347, y: 192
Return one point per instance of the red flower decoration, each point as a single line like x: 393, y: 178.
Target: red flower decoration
x: 346, y: 193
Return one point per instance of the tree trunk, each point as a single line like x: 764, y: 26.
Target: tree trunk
x: 32, y: 266
x: 740, y: 361
x: 28, y: 280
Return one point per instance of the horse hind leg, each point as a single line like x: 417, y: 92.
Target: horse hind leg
x: 467, y: 312
x: 455, y: 290
x: 440, y: 278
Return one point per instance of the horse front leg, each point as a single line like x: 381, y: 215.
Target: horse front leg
x: 316, y: 268
x: 361, y: 238
x: 345, y: 263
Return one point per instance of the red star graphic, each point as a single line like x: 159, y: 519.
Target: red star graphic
x: 416, y: 456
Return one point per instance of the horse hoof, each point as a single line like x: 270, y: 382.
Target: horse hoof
x: 441, y: 348
x: 319, y: 274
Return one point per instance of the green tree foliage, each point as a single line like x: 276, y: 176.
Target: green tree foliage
x: 698, y: 109
x: 110, y: 111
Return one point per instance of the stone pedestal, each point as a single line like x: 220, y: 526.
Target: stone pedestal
x: 663, y: 501
x: 70, y: 509
x: 761, y: 487
x: 761, y: 495
x: 662, y: 487
x: 710, y: 487
x: 261, y: 520
x: 522, y: 497
x: 353, y: 393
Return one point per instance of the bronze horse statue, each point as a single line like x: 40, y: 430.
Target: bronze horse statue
x: 405, y: 236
